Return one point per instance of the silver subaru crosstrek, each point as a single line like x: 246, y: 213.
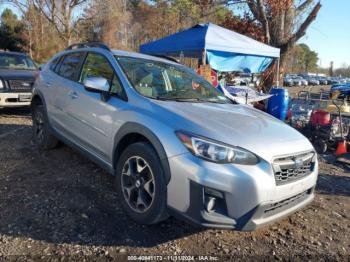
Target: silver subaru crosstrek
x: 175, y: 145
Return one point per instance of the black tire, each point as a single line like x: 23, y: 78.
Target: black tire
x: 157, y: 210
x: 42, y: 135
x: 321, y: 146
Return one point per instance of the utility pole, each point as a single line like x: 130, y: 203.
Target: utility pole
x: 331, y: 69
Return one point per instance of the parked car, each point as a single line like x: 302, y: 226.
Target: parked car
x: 174, y: 144
x: 322, y: 80
x: 304, y: 82
x: 299, y: 81
x: 343, y: 88
x: 17, y: 73
x: 296, y: 81
x: 288, y: 81
x: 313, y: 81
x: 333, y: 80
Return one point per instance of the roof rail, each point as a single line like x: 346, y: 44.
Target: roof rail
x: 87, y: 45
x: 168, y: 58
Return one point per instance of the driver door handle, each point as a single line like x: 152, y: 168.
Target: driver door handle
x: 73, y: 95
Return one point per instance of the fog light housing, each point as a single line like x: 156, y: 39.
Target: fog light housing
x: 214, y: 201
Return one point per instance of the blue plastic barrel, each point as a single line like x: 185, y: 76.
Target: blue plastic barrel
x: 278, y: 103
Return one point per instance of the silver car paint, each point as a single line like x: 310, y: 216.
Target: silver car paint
x: 92, y: 124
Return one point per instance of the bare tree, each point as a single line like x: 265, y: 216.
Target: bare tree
x: 280, y: 23
x: 60, y: 14
x: 108, y: 21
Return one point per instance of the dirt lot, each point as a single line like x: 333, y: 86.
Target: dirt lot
x: 57, y: 205
x: 294, y: 90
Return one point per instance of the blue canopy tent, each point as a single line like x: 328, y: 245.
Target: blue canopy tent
x: 224, y: 50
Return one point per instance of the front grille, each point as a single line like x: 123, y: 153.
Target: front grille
x: 291, y: 168
x: 20, y: 85
x: 282, y: 205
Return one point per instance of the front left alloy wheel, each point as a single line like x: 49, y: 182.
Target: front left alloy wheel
x: 138, y: 184
x: 141, y: 185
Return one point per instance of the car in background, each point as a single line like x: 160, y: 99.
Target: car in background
x: 304, y: 82
x: 343, y: 88
x: 343, y: 80
x: 313, y: 81
x: 333, y: 81
x: 17, y: 75
x: 287, y: 81
x: 174, y: 144
x: 322, y: 80
x: 299, y: 81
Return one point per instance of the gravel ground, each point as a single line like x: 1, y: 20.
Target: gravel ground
x: 57, y: 205
x: 294, y: 90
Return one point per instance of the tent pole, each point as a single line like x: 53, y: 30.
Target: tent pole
x: 278, y: 72
x: 204, y: 57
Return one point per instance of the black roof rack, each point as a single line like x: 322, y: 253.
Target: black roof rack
x: 87, y: 45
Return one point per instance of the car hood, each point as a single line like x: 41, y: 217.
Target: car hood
x: 238, y: 125
x: 17, y: 74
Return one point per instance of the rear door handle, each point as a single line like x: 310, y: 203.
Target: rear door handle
x: 73, y: 95
x: 48, y: 84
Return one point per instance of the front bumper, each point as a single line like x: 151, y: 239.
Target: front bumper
x: 250, y: 196
x: 15, y: 99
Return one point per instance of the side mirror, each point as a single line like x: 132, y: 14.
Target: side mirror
x: 96, y: 84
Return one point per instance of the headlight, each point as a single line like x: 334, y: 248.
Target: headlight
x: 1, y: 84
x: 216, y: 151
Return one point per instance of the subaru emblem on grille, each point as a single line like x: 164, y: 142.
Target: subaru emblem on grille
x: 25, y: 84
x: 299, y: 162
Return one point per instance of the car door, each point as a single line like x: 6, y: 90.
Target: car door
x: 49, y: 88
x: 58, y: 84
x: 93, y: 116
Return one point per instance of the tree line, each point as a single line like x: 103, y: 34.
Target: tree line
x: 43, y: 27
x: 301, y: 59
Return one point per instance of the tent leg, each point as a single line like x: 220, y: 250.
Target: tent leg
x: 204, y: 57
x: 278, y: 73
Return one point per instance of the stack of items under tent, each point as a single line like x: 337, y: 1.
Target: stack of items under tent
x: 224, y: 51
x: 244, y: 94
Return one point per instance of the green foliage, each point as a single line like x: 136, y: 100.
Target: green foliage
x: 310, y: 58
x: 301, y: 59
x: 11, y: 32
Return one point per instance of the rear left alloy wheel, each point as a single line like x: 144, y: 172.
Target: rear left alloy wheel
x: 141, y: 185
x: 41, y: 133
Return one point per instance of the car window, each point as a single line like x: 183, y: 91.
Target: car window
x: 16, y: 62
x: 97, y: 65
x: 70, y: 66
x: 117, y: 88
x: 54, y: 63
x: 166, y: 81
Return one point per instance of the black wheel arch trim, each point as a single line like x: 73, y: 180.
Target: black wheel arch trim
x: 37, y: 93
x: 132, y: 127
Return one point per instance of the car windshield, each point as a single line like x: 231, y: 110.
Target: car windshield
x: 165, y: 81
x: 16, y: 62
